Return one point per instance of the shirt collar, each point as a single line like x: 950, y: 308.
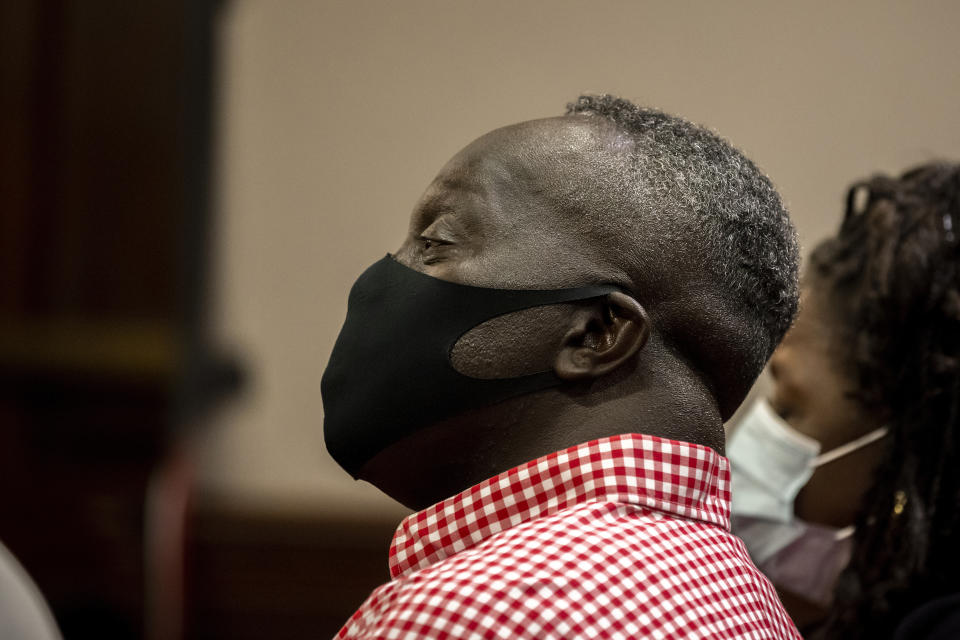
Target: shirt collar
x: 677, y: 478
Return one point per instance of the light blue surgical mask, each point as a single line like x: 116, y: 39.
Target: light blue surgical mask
x: 770, y: 462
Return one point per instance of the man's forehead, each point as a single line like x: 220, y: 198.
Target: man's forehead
x: 532, y: 151
x: 547, y: 136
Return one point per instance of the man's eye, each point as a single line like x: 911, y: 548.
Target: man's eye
x: 432, y: 249
x: 427, y: 242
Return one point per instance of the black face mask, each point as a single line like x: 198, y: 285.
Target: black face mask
x: 390, y: 372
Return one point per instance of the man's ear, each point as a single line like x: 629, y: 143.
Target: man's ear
x: 602, y: 337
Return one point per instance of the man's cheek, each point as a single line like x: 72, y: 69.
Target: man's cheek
x: 512, y: 345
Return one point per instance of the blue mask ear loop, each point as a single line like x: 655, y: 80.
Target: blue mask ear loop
x: 846, y: 449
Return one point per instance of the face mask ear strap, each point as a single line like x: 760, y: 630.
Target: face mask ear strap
x: 849, y: 448
x: 843, y: 534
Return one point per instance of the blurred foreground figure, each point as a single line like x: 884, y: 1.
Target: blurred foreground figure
x: 547, y: 360
x: 846, y: 483
x: 24, y: 615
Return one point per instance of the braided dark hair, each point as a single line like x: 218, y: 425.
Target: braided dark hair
x: 892, y: 273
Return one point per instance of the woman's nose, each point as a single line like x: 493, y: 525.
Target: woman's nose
x: 777, y: 361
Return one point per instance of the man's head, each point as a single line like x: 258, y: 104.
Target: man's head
x: 615, y: 193
x: 687, y: 227
x: 696, y: 216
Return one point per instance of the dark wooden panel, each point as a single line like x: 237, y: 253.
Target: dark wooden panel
x: 279, y: 575
x: 94, y: 111
x: 104, y: 107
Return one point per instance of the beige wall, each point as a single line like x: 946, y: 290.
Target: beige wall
x: 335, y: 115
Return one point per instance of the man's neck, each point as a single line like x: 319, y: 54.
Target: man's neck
x: 453, y: 455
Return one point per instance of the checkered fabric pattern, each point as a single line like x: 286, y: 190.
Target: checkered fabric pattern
x: 623, y: 537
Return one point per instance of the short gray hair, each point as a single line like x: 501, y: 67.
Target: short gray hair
x: 730, y: 211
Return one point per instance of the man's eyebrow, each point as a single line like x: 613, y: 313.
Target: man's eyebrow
x: 447, y: 195
x: 435, y: 206
x: 430, y: 209
x: 463, y: 180
x: 451, y: 194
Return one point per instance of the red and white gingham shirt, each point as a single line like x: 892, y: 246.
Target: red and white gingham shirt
x: 623, y: 537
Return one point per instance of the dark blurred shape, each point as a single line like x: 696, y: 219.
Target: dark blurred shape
x: 105, y: 111
x: 937, y: 620
x: 105, y: 359
x: 279, y: 575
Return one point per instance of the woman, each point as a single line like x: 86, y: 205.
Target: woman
x: 847, y: 481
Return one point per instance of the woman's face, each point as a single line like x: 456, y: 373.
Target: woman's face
x: 812, y: 390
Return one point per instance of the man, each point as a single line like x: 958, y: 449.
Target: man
x: 547, y: 360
